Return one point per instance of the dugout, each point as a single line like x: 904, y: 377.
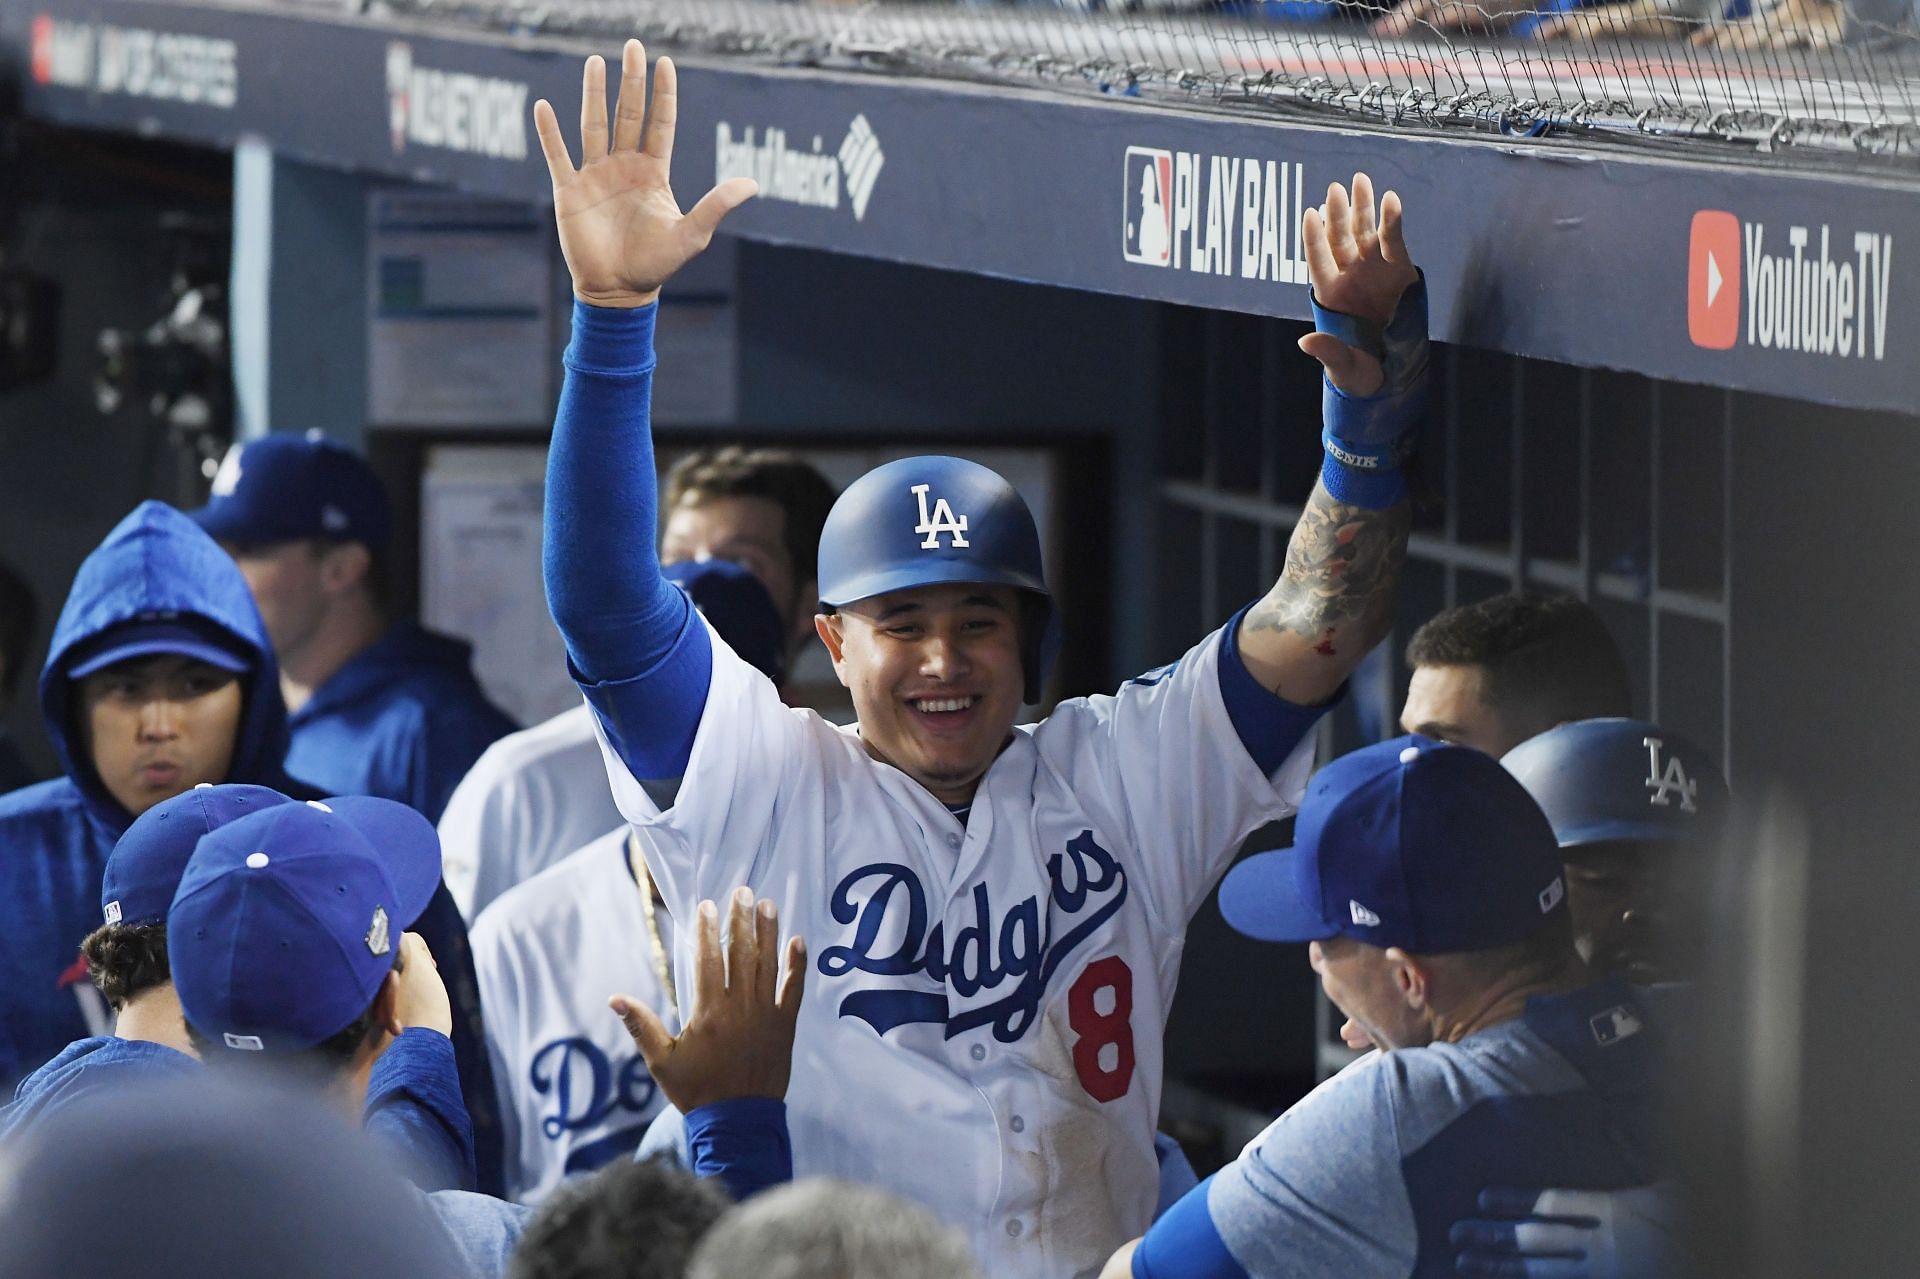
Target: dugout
x: 1726, y: 485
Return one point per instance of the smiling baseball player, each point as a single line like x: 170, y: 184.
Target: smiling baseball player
x: 996, y: 912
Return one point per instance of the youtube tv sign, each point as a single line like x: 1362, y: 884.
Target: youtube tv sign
x: 1791, y: 288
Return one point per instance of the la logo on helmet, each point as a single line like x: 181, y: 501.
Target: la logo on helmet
x: 1669, y: 780
x: 941, y: 520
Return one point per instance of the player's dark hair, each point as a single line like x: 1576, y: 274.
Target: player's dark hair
x: 18, y: 613
x: 320, y: 1063
x: 1544, y: 659
x: 779, y: 476
x: 627, y: 1221
x: 125, y: 960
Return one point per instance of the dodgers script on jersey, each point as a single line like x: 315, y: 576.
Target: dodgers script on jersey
x: 983, y: 1021
x: 574, y: 1093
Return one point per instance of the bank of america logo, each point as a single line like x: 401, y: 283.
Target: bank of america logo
x: 860, y: 160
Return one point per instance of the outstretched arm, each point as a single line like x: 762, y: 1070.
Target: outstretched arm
x: 1334, y: 599
x: 633, y: 638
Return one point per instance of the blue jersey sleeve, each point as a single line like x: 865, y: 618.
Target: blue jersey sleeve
x: 743, y: 1142
x: 638, y: 649
x: 1269, y: 725
x: 414, y: 1109
x: 1183, y: 1244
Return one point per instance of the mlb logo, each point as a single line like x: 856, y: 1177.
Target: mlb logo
x: 1713, y: 280
x: 1148, y: 195
x: 1613, y: 1025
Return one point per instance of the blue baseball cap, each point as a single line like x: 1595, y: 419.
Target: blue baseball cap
x: 155, y: 633
x: 144, y: 869
x: 288, y: 920
x: 284, y: 487
x: 1620, y: 780
x: 1410, y: 843
x: 739, y: 607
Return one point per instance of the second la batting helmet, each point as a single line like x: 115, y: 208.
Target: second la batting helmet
x: 928, y: 521
x: 1605, y: 780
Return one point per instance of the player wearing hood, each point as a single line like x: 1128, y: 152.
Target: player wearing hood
x: 159, y: 677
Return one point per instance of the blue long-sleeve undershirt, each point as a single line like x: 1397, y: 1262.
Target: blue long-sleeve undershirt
x: 638, y: 649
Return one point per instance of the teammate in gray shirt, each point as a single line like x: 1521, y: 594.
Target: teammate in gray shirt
x: 1431, y: 889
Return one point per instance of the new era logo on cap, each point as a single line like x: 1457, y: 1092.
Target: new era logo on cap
x: 1713, y: 280
x: 1362, y: 916
x: 1550, y: 895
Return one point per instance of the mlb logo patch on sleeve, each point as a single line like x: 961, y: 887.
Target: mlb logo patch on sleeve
x: 1613, y: 1025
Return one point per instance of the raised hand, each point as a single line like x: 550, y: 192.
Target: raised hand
x: 621, y: 230
x: 1359, y: 267
x: 738, y: 1042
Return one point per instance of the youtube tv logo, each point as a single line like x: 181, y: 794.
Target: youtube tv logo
x: 1713, y: 280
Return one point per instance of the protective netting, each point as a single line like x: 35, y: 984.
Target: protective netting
x: 1793, y: 78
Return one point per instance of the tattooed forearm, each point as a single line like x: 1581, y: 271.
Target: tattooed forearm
x: 1337, y: 589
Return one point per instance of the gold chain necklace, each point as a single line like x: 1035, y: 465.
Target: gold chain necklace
x: 662, y: 963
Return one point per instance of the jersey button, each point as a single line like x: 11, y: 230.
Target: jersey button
x: 953, y: 841
x: 1015, y: 1229
x: 978, y: 1052
x: 1017, y: 1124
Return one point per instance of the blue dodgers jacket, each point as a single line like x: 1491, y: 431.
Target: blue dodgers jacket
x: 55, y: 836
x: 405, y: 720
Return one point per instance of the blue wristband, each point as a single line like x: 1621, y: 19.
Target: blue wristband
x: 1369, y: 438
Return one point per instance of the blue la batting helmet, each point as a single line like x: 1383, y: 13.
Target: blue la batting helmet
x: 1605, y: 780
x: 928, y: 521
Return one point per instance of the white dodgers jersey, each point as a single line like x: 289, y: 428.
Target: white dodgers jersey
x: 986, y: 1003
x: 530, y: 799
x: 574, y: 1092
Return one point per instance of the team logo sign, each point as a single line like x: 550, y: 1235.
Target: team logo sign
x: 940, y: 520
x: 1670, y: 779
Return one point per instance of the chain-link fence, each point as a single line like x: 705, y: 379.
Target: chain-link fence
x: 1794, y: 78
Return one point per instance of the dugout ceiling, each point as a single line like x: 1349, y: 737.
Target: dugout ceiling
x: 1801, y: 283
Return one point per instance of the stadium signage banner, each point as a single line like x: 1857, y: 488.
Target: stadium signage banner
x: 136, y: 61
x: 793, y: 175
x: 1807, y: 289
x: 455, y: 110
x: 1552, y: 248
x: 1214, y: 214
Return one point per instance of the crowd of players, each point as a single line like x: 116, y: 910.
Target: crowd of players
x: 567, y: 1021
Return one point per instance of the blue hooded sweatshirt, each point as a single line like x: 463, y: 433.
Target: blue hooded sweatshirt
x: 55, y: 836
x: 405, y: 720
